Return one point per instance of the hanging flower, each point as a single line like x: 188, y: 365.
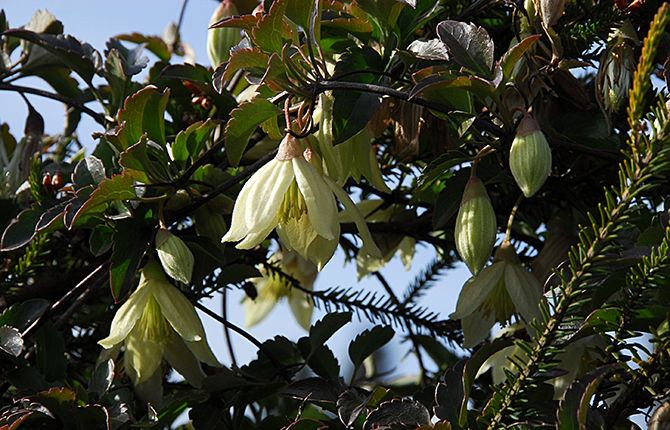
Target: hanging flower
x: 272, y: 287
x: 290, y: 194
x: 158, y: 321
x: 502, y: 290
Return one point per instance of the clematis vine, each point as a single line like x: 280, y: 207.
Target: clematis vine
x: 499, y: 292
x: 272, y: 287
x: 290, y: 195
x: 158, y: 321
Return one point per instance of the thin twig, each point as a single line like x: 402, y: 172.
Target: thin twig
x: 99, y: 118
x: 226, y: 330
x: 280, y: 367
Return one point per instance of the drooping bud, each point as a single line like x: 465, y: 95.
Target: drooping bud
x: 221, y: 39
x: 476, y: 226
x: 617, y: 66
x: 176, y: 259
x: 529, y: 157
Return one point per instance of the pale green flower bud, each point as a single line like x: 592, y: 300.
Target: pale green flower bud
x: 221, y: 39
x: 530, y: 157
x: 176, y: 259
x: 476, y: 226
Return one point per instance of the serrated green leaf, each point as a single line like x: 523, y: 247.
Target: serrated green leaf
x: 270, y: 32
x: 22, y: 315
x: 404, y: 412
x: 131, y: 241
x: 11, y: 341
x: 144, y: 113
x: 243, y: 123
x: 573, y: 409
x: 322, y: 330
x: 118, y: 187
x: 89, y: 171
x: 368, y: 342
x: 78, y: 56
x: 102, y: 377
x: 251, y: 60
x: 193, y: 140
x: 353, y: 109
x: 320, y: 359
x: 50, y: 350
x: 470, y: 45
x: 315, y: 389
x: 511, y: 57
x: 101, y: 239
x: 22, y: 229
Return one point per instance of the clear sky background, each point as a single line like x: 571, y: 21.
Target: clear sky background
x: 95, y: 22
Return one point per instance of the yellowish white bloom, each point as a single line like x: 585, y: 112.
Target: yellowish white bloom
x: 502, y: 290
x: 158, y: 321
x: 289, y: 194
x: 389, y: 244
x: 272, y: 287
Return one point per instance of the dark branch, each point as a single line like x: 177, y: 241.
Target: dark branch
x: 99, y: 118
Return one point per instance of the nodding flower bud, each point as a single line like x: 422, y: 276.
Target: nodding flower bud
x: 221, y: 39
x: 476, y: 226
x: 529, y: 157
x: 176, y: 259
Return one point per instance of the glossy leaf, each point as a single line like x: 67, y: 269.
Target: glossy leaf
x: 80, y: 57
x: 118, y: 187
x: 251, y: 60
x: 89, y: 171
x: 322, y: 330
x: 511, y: 57
x: 22, y: 315
x: 243, y: 123
x: 404, y: 412
x: 270, y: 32
x: 315, y: 390
x: 353, y: 109
x: 573, y: 409
x: 193, y: 140
x: 470, y: 45
x: 22, y: 229
x: 11, y: 341
x: 144, y: 113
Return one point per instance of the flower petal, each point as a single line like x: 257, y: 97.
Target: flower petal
x: 179, y: 312
x: 184, y: 362
x: 321, y: 250
x: 476, y: 290
x: 255, y: 238
x: 127, y: 315
x: 256, y: 310
x: 203, y: 353
x: 297, y: 234
x: 476, y: 327
x: 525, y: 291
x: 302, y: 308
x: 142, y: 357
x: 320, y: 202
x: 368, y: 243
x: 151, y: 389
x: 269, y: 187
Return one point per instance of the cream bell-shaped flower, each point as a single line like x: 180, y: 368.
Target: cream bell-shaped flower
x: 500, y: 291
x: 272, y: 287
x: 291, y: 195
x: 158, y: 321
